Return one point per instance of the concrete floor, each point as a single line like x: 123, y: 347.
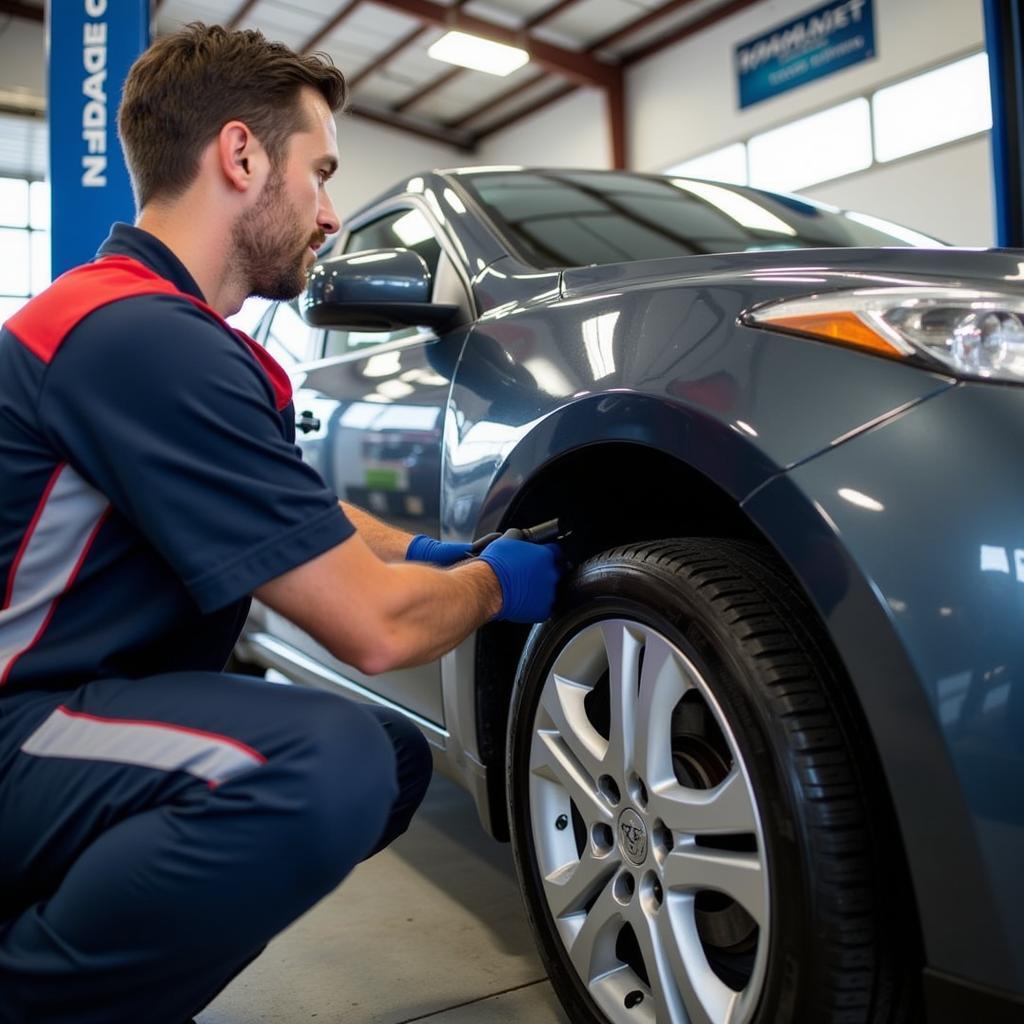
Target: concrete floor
x: 433, y: 929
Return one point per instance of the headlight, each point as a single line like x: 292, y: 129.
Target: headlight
x: 971, y: 333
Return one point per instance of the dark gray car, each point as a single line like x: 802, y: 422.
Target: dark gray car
x: 765, y: 762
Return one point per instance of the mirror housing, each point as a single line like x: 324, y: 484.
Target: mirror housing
x: 374, y: 290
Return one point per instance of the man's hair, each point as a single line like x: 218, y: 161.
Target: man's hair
x: 188, y: 85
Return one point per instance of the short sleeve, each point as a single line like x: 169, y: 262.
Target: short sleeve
x: 172, y: 418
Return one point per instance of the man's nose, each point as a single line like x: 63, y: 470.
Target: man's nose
x: 326, y: 218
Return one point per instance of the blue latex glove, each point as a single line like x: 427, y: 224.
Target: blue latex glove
x: 528, y: 574
x: 438, y: 552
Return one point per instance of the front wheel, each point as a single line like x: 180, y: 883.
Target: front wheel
x: 690, y: 801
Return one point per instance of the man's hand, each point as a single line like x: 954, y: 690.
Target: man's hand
x: 528, y: 574
x: 437, y: 552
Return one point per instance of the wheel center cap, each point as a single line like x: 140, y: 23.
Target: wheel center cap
x: 633, y: 836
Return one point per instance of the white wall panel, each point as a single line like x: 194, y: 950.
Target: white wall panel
x: 570, y: 133
x: 683, y: 101
x: 373, y: 157
x: 947, y: 192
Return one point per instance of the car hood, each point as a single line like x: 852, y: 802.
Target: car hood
x: 834, y: 267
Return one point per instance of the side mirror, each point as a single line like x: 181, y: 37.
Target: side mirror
x: 375, y: 290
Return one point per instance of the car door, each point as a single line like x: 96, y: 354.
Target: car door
x: 370, y: 415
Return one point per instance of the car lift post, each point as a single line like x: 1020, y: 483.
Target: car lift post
x: 1004, y: 40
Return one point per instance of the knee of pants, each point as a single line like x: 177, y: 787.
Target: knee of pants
x: 412, y: 754
x: 350, y: 786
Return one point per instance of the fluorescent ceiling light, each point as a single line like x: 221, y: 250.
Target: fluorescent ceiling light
x: 480, y: 54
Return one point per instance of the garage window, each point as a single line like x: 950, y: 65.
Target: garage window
x: 826, y: 145
x: 939, y: 106
x: 24, y: 242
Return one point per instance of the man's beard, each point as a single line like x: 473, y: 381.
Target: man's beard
x: 270, y: 248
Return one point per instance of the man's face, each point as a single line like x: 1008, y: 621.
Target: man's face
x: 276, y: 240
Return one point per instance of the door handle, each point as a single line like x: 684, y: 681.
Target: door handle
x: 306, y: 422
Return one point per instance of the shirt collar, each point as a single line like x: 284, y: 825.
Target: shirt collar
x: 126, y: 240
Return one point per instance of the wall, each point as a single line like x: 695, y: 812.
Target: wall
x: 23, y: 67
x: 683, y: 102
x: 570, y: 133
x: 946, y: 192
x: 374, y: 157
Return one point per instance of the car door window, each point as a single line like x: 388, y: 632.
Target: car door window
x: 290, y: 339
x: 401, y: 229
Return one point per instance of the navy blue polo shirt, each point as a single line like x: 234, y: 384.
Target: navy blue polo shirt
x: 149, y: 482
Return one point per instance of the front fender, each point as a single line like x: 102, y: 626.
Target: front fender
x: 668, y: 366
x: 909, y: 540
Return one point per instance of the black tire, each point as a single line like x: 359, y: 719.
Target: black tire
x: 831, y: 851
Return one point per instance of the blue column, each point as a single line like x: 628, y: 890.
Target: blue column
x: 1005, y: 44
x: 91, y: 44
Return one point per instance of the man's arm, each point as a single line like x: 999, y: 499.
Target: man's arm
x: 378, y: 616
x: 387, y: 543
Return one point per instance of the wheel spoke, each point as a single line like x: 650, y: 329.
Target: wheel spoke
x: 552, y: 759
x: 725, y: 810
x: 740, y: 876
x: 592, y: 949
x: 570, y: 887
x: 666, y: 983
x: 687, y: 973
x: 562, y: 701
x: 622, y: 646
x: 662, y: 685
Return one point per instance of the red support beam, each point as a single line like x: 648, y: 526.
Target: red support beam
x: 577, y: 67
x: 389, y: 55
x: 615, y: 97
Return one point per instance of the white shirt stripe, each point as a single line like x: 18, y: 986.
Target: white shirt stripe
x: 169, y: 748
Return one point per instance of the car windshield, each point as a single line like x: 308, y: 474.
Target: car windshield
x: 579, y: 218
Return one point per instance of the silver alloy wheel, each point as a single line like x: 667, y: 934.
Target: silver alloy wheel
x: 621, y: 841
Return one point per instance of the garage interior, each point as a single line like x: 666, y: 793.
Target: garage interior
x: 434, y: 928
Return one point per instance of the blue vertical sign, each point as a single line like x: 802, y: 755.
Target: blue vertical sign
x: 817, y: 43
x: 91, y: 46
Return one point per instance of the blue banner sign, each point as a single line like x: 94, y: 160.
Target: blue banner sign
x: 816, y: 44
x: 92, y: 44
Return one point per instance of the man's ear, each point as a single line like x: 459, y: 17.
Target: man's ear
x: 242, y: 159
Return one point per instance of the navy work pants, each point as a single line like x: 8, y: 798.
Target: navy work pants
x: 156, y: 833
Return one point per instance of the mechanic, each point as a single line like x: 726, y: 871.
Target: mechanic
x: 160, y: 821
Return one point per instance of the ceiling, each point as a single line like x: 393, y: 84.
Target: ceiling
x: 381, y: 46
